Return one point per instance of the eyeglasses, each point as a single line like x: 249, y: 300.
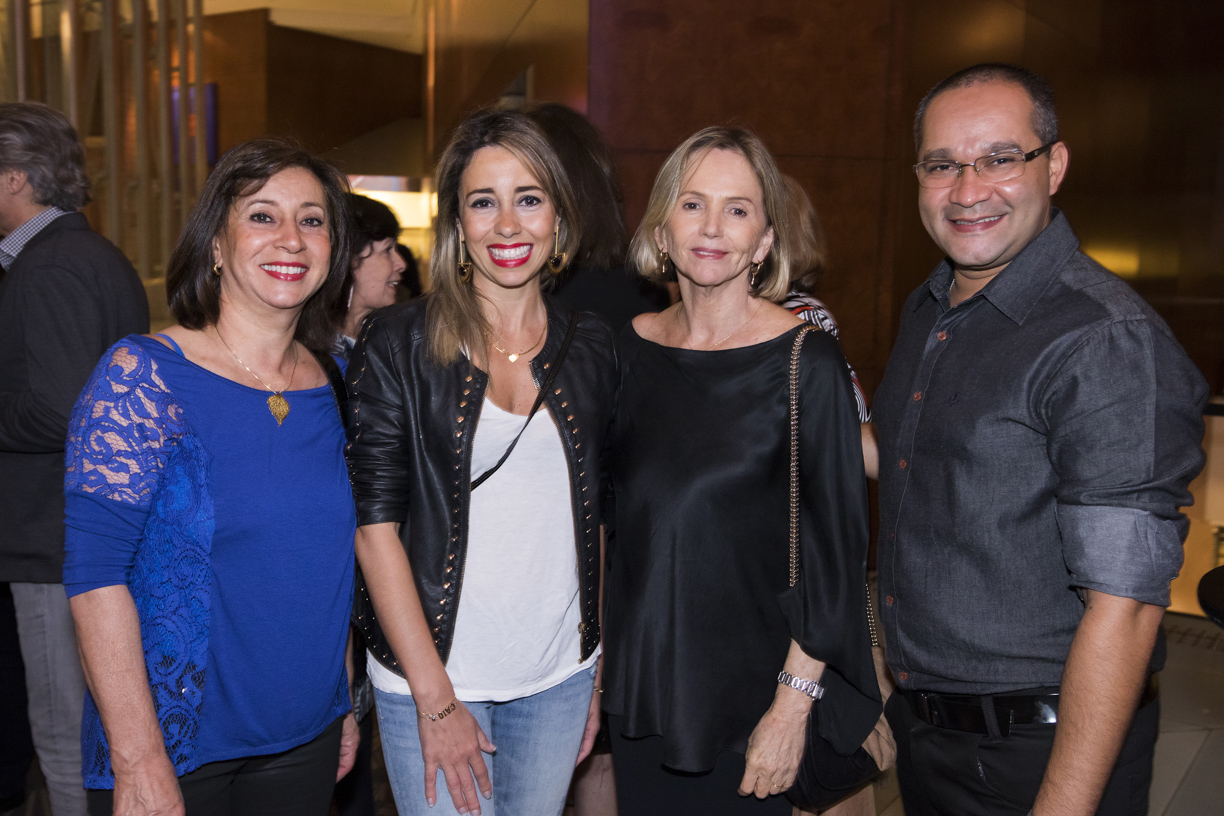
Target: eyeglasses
x: 995, y: 167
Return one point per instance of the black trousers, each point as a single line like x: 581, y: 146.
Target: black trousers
x: 297, y: 782
x: 16, y: 744
x: 943, y: 772
x: 646, y: 787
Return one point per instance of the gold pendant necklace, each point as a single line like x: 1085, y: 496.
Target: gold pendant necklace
x: 513, y: 356
x: 277, y: 404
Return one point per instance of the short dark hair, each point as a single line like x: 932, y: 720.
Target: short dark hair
x: 193, y: 291
x: 39, y: 141
x: 1045, y: 119
x: 370, y: 221
x: 588, y: 164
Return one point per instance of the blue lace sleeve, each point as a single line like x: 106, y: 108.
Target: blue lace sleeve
x: 129, y: 442
x: 122, y: 429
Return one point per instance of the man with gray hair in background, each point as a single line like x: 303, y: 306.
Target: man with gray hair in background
x: 66, y: 294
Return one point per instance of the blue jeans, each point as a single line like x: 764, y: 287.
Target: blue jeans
x: 537, y: 741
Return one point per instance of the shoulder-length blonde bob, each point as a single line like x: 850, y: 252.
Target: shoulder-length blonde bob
x: 774, y: 279
x: 453, y: 314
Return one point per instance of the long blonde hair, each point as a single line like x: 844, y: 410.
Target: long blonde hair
x: 774, y: 279
x: 453, y: 314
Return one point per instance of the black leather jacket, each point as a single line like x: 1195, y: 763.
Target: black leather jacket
x: 411, y: 425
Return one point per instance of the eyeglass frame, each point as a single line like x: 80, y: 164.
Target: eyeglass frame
x: 1025, y: 158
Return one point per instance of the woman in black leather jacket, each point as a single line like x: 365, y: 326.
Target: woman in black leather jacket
x: 481, y: 606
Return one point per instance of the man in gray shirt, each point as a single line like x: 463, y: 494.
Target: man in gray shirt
x: 66, y: 295
x: 1039, y: 427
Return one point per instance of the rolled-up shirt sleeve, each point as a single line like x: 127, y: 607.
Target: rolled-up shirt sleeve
x: 377, y: 428
x: 1124, y: 414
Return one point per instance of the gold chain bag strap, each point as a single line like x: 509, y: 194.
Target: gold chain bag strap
x: 809, y: 792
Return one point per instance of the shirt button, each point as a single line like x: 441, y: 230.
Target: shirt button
x: 917, y: 396
x: 903, y: 676
x: 903, y: 464
x: 892, y: 535
x: 942, y: 336
x: 890, y: 600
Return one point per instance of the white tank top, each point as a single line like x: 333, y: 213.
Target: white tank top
x: 516, y: 631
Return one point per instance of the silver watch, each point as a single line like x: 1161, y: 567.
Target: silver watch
x: 811, y: 688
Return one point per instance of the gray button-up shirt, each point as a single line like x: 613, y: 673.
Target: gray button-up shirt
x: 1039, y: 437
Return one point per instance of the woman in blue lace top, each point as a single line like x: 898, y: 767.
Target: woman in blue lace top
x: 210, y: 522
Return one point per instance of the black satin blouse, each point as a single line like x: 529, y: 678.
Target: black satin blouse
x: 699, y: 613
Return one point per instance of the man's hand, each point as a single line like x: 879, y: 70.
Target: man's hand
x: 1104, y: 678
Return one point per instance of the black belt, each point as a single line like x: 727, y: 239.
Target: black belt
x: 968, y: 712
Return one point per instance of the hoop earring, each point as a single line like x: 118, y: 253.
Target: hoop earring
x: 556, y: 261
x: 754, y: 276
x: 217, y: 269
x: 663, y: 259
x: 465, y: 266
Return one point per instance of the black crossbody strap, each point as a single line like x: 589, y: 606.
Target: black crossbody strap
x: 548, y: 381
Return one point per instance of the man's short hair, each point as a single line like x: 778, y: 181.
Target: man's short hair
x: 1045, y: 119
x: 39, y: 141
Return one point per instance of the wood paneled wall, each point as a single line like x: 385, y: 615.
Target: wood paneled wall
x: 831, y: 86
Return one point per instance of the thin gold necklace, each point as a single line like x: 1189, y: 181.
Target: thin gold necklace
x: 513, y: 356
x: 732, y: 332
x: 277, y: 404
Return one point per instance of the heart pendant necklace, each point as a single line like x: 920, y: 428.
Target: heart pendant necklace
x: 277, y: 404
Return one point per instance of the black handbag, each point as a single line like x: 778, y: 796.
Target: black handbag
x: 825, y: 777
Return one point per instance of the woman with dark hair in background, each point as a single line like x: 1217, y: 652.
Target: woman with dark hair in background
x: 480, y: 526
x: 707, y: 596
x: 377, y: 270
x: 597, y: 279
x: 209, y: 551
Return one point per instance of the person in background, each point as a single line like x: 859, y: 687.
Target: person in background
x: 209, y: 549
x: 808, y: 259
x: 410, y: 281
x: 480, y: 536
x: 700, y: 614
x: 1039, y: 429
x: 66, y: 294
x: 809, y: 266
x: 597, y: 278
x: 377, y: 271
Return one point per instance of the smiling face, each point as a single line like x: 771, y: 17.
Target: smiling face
x: 979, y: 225
x: 506, y: 219
x: 376, y: 273
x: 717, y: 227
x: 275, y: 248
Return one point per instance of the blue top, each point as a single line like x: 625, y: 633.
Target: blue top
x: 235, y: 538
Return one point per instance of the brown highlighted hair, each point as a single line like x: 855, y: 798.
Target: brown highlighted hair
x: 194, y: 292
x: 774, y: 280
x: 807, y: 238
x: 453, y: 315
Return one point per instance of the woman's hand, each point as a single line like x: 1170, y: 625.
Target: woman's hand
x: 592, y: 725
x: 453, y: 745
x: 350, y: 740
x: 775, y: 748
x: 148, y: 789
